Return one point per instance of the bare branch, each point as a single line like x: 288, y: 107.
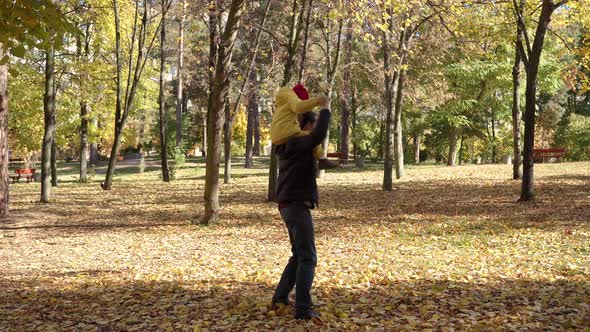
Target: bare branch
x: 251, y: 65
x: 521, y: 22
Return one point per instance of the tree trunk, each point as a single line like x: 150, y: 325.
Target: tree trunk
x: 140, y: 147
x: 417, y: 149
x: 84, y: 106
x: 227, y: 143
x: 113, y: 158
x: 346, y: 97
x: 391, y: 88
x: 94, y: 153
x: 294, y: 38
x: 273, y: 174
x: 398, y: 147
x: 54, y: 152
x: 527, y: 193
x: 84, y: 142
x: 162, y: 99
x: 218, y: 99
x: 4, y: 158
x: 353, y: 124
x: 332, y: 69
x: 249, y: 82
x: 214, y: 20
x: 390, y: 92
x: 256, y: 148
x: 180, y: 81
x: 252, y: 119
x: 204, y: 152
x: 48, y: 113
x: 124, y: 103
x: 94, y: 146
x: 494, y: 143
x: 452, y: 148
x: 381, y: 148
x: 516, y: 114
x: 305, y: 40
x: 461, y: 148
x: 119, y: 107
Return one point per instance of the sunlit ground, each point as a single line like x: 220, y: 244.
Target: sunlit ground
x: 448, y: 249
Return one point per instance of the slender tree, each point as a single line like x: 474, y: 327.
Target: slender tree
x: 394, y: 79
x: 532, y: 58
x: 94, y: 145
x: 398, y: 145
x: 83, y: 54
x: 231, y: 115
x: 179, y: 89
x: 305, y: 41
x: 214, y: 37
x: 162, y: 96
x: 40, y: 28
x: 215, y: 118
x: 391, y: 80
x: 227, y: 142
x: 3, y: 136
x: 516, y: 113
x: 54, y: 144
x: 251, y: 126
x: 48, y: 112
x: 346, y: 97
x: 135, y: 66
x: 256, y: 125
x: 332, y: 65
x: 416, y: 148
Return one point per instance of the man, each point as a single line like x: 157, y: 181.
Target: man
x: 297, y: 194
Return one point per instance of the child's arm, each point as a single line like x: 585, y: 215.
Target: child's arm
x: 304, y: 106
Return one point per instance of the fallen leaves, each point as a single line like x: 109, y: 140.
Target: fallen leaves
x: 442, y: 252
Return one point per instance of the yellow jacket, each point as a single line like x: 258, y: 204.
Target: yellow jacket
x: 284, y: 120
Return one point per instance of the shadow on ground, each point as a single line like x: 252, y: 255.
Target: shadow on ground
x: 226, y: 305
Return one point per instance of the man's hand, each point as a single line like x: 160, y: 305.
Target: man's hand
x: 324, y: 102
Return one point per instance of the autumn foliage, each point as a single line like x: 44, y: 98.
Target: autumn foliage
x: 448, y: 249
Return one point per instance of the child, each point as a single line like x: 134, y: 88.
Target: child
x: 290, y: 103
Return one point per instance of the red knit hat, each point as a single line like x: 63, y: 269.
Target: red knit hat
x: 301, y: 92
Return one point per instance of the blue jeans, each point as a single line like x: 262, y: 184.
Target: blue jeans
x: 301, y: 267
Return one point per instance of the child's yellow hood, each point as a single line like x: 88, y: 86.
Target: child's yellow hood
x: 285, y: 96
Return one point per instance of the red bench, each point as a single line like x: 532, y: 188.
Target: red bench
x: 335, y: 155
x: 539, y: 155
x: 27, y: 173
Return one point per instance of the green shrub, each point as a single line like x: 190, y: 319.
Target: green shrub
x: 574, y: 136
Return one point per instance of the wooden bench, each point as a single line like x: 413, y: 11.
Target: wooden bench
x: 539, y: 155
x: 27, y: 173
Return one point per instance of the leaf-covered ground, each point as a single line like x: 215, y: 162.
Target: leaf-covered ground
x: 448, y: 249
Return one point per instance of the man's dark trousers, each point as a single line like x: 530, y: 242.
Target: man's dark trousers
x: 301, y: 267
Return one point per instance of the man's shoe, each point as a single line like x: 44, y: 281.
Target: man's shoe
x: 307, y: 314
x: 275, y: 303
x: 327, y: 164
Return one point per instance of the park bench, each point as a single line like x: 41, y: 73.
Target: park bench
x: 540, y: 155
x: 336, y: 155
x: 27, y: 173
